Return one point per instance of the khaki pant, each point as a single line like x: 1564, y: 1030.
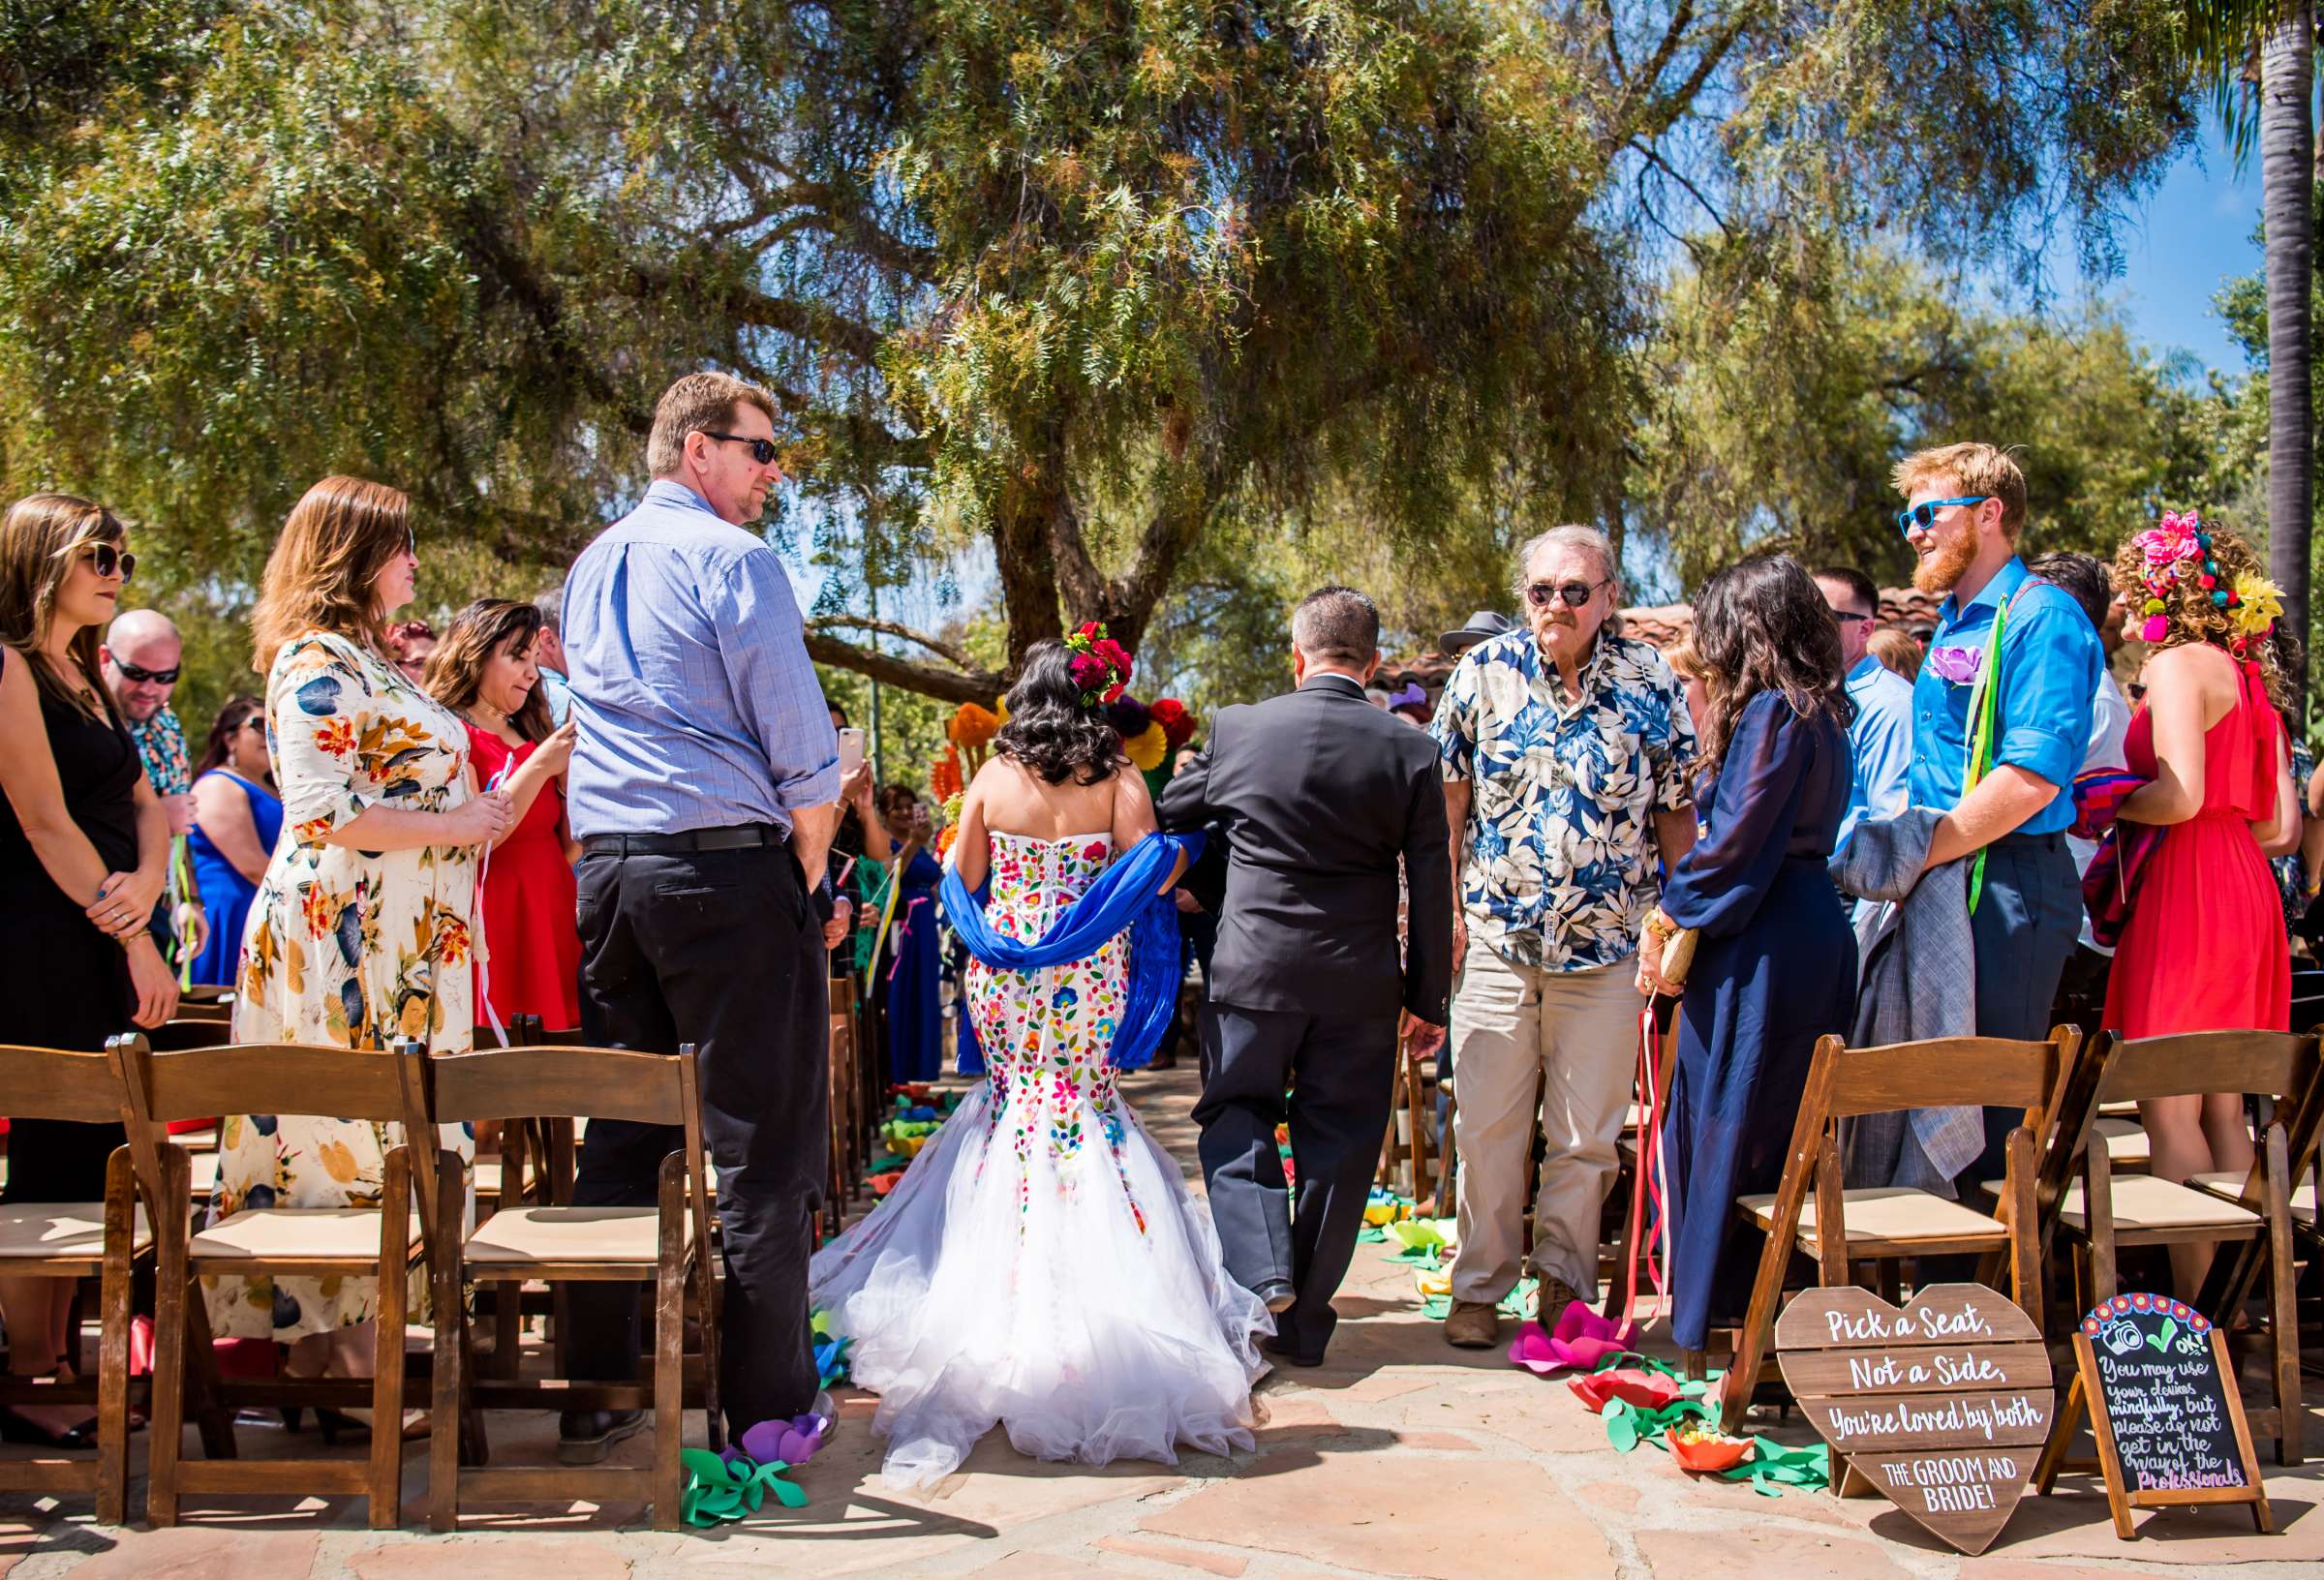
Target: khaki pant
x: 1512, y: 1023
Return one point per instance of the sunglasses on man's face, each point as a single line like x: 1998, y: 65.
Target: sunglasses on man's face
x: 1923, y: 516
x: 1849, y: 616
x: 1573, y: 594
x: 147, y: 676
x: 108, y: 559
x: 762, y: 450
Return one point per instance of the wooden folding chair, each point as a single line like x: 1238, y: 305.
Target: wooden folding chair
x: 76, y: 1239
x: 849, y: 1119
x: 1886, y: 1225
x: 296, y: 1242
x: 2252, y: 1222
x: 1404, y: 1153
x: 662, y: 1245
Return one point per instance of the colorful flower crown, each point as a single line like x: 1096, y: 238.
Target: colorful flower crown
x: 1100, y: 665
x: 2253, y: 603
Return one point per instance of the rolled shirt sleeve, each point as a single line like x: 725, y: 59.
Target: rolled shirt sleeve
x: 2050, y: 663
x: 763, y: 645
x: 1670, y: 744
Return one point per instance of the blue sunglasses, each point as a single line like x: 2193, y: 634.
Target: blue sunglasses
x: 1924, y: 514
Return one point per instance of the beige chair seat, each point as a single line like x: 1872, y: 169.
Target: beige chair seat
x: 2228, y: 1187
x: 202, y: 1174
x: 289, y: 1233
x: 2126, y: 1147
x: 569, y: 1235
x: 2146, y: 1206
x: 488, y: 1176
x: 62, y: 1228
x: 1891, y: 1218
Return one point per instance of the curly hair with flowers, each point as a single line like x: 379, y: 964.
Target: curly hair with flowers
x: 2183, y: 581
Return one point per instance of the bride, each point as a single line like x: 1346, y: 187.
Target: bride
x: 1041, y: 1264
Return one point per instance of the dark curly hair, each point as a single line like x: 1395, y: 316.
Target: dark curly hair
x: 1761, y: 626
x: 1049, y: 731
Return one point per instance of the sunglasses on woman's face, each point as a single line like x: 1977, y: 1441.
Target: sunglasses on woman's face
x: 110, y: 560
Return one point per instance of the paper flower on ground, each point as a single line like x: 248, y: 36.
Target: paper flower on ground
x: 1583, y: 1341
x: 1147, y: 749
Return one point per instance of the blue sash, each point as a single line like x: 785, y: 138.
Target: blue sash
x: 1124, y: 896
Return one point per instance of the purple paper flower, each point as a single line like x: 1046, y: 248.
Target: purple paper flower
x: 1960, y: 666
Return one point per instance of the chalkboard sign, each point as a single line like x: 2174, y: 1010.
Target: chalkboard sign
x: 1942, y: 1405
x: 2165, y: 1409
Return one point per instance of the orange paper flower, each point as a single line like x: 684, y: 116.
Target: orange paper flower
x: 944, y: 775
x: 973, y: 726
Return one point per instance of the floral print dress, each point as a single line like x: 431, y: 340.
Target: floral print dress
x: 344, y: 948
x: 1041, y: 1264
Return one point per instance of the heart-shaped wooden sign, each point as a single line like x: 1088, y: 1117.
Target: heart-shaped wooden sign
x: 1942, y: 1405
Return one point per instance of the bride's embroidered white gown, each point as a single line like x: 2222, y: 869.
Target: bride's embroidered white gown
x: 1041, y: 1264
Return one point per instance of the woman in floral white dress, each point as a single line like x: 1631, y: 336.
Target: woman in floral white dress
x: 1041, y: 1265
x: 361, y: 930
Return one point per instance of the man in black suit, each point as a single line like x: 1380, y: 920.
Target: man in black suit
x: 1318, y: 795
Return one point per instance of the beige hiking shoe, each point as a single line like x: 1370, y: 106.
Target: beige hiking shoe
x: 1472, y: 1325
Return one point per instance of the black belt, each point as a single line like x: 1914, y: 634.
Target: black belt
x: 738, y: 837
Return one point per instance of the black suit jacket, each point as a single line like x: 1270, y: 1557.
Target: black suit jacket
x: 1317, y: 793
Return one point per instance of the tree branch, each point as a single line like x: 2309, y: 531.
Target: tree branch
x: 953, y: 685
x: 888, y: 628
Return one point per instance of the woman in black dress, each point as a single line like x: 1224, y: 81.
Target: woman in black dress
x: 1775, y: 967
x: 83, y: 849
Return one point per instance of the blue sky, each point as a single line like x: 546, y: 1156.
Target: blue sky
x: 2177, y: 249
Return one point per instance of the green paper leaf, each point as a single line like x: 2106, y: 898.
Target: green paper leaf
x: 790, y: 1494
x: 1621, y: 1426
x: 713, y: 1471
x: 1371, y: 1234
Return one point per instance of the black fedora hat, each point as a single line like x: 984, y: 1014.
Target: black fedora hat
x: 1480, y: 626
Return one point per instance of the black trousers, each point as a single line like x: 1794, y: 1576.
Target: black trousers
x: 720, y: 949
x: 1341, y: 1076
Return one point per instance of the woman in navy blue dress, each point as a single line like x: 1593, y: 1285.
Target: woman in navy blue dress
x: 1775, y: 965
x: 915, y: 1011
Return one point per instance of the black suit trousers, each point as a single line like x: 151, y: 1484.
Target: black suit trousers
x: 719, y: 949
x: 1340, y: 1075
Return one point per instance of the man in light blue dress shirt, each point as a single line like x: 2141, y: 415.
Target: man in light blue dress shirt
x: 1965, y: 504
x: 704, y: 791
x: 1881, y: 740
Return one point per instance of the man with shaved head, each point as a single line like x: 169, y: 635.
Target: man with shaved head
x: 140, y: 654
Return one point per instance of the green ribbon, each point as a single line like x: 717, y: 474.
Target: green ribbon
x: 1983, y: 705
x: 718, y: 1490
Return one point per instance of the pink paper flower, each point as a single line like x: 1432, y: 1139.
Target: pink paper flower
x: 1583, y: 1340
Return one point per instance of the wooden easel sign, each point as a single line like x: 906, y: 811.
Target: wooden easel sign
x: 2165, y: 1409
x: 1943, y: 1404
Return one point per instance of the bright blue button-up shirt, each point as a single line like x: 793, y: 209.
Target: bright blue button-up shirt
x: 2050, y: 661
x: 697, y: 705
x: 1880, y: 742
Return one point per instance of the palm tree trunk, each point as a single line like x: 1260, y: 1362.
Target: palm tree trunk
x: 2287, y: 176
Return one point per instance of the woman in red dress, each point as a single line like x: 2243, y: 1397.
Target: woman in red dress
x: 2203, y: 948
x: 529, y: 961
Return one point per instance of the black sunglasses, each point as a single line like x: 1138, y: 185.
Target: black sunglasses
x: 1842, y: 617
x: 147, y: 676
x: 762, y: 450
x: 108, y: 559
x: 1540, y: 594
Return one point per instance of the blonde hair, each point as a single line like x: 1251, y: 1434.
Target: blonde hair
x: 1686, y: 662
x: 1971, y: 469
x: 699, y: 402
x: 1897, y: 650
x: 320, y: 578
x: 2189, y: 613
x: 39, y: 536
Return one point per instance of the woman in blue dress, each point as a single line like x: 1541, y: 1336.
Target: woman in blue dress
x: 1775, y: 962
x: 236, y: 817
x: 915, y: 1010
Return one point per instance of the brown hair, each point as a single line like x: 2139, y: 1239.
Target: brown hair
x: 39, y: 536
x: 320, y: 577
x: 1973, y: 468
x: 699, y: 402
x: 1761, y: 626
x: 2189, y: 613
x: 1685, y: 663
x: 1894, y: 647
x: 456, y: 668
x: 222, y: 730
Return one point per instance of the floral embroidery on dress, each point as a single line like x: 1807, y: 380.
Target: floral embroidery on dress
x: 1045, y: 1034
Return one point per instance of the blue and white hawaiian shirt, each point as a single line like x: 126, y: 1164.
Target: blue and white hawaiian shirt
x: 1560, y: 868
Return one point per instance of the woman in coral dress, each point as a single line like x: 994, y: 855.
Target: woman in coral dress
x: 529, y: 959
x: 2203, y: 947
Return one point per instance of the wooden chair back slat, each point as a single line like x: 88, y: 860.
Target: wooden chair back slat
x: 567, y: 1082
x: 270, y: 1078
x: 2273, y: 1062
x: 1943, y: 1072
x: 57, y: 1084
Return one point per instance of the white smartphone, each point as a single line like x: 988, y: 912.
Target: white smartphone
x: 851, y: 750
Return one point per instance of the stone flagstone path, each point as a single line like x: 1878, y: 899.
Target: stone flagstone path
x: 1399, y: 1457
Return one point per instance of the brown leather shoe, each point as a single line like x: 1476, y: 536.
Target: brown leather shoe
x: 1555, y: 1296
x: 1472, y: 1325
